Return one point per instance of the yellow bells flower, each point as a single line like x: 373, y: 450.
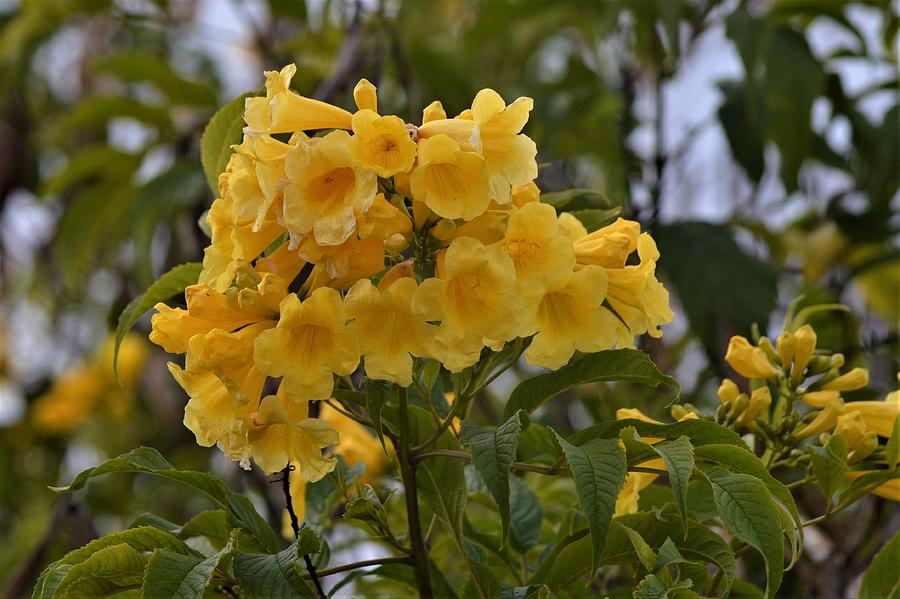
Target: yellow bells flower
x: 525, y: 193
x: 474, y: 298
x: 820, y: 399
x: 254, y: 186
x: 609, y: 246
x: 878, y: 415
x: 510, y: 155
x: 382, y: 143
x: 310, y: 342
x: 860, y: 440
x: 889, y: 490
x: 433, y: 112
x: 283, y: 262
x: 728, y: 391
x: 292, y: 112
x: 452, y: 182
x: 824, y: 421
x: 70, y: 401
x: 357, y: 444
x: 804, y: 345
x: 786, y: 345
x: 570, y: 226
x: 328, y: 189
x: 748, y: 361
x: 850, y: 381
x: 760, y: 400
x: 542, y: 256
x: 463, y: 131
x: 365, y: 95
x: 389, y: 333
x: 488, y: 228
x: 383, y: 221
x: 280, y: 432
x: 342, y: 265
x: 568, y: 317
x: 635, y: 482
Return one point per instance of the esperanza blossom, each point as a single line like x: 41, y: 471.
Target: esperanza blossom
x: 353, y: 242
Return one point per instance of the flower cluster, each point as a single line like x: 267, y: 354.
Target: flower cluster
x: 379, y: 242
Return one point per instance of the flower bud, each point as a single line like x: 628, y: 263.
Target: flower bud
x: 824, y: 420
x: 818, y: 365
x: 765, y: 344
x: 820, y: 399
x: 837, y: 360
x: 785, y: 344
x: 760, y: 400
x: 444, y: 229
x: 365, y: 95
x: 738, y: 407
x: 748, y: 361
x: 855, y: 379
x: 804, y: 345
x: 727, y: 391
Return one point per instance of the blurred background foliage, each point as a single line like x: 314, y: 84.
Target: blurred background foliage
x: 757, y: 140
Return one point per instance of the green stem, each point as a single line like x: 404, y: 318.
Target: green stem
x: 408, y: 473
x: 449, y: 453
x: 454, y: 412
x: 401, y: 559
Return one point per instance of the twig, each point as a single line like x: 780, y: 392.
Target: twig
x: 295, y: 526
x: 400, y: 559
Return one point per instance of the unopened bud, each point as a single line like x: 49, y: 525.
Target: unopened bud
x: 804, y: 345
x: 678, y: 412
x: 738, y: 407
x: 837, y: 360
x: 760, y: 400
x: 727, y: 391
x: 855, y: 379
x: 766, y: 345
x: 749, y: 361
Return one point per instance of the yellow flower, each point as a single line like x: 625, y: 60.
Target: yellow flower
x: 635, y: 482
x: 281, y: 432
x: 860, y: 440
x: 70, y: 401
x: 878, y: 415
x: 433, y: 112
x: 748, y: 361
x: 328, y: 189
x: 850, y: 381
x: 569, y: 318
x: 889, y: 490
x: 820, y: 399
x: 610, y: 246
x: 388, y: 331
x: 786, y: 345
x: 474, y: 298
x: 824, y: 421
x: 571, y: 227
x: 452, y: 182
x: 292, y: 112
x: 357, y: 444
x: 488, y: 228
x: 310, y: 342
x: 542, y: 257
x: 511, y: 156
x: 382, y: 143
x: 760, y: 400
x: 340, y: 266
x: 804, y: 345
x: 525, y: 193
x: 383, y: 221
x: 728, y: 391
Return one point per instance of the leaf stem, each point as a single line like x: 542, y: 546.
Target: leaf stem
x: 400, y: 559
x: 408, y: 472
x: 295, y: 526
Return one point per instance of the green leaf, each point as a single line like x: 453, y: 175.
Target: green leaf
x: 892, y: 449
x: 172, y: 283
x: 749, y: 512
x: 109, y: 571
x: 267, y: 576
x: 628, y: 365
x: 136, y: 65
x: 599, y: 470
x: 880, y: 580
x: 148, y: 461
x: 96, y: 111
x: 829, y: 465
x: 494, y: 450
x: 224, y: 130
x: 525, y: 516
x: 212, y: 524
x: 679, y: 458
x: 577, y: 199
x: 172, y: 575
x: 700, y: 432
x: 644, y: 552
x: 377, y: 394
x: 636, y: 449
x: 596, y: 218
x: 552, y: 565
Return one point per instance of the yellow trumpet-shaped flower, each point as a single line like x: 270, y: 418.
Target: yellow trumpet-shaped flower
x: 358, y: 444
x: 280, y: 432
x: 328, y: 189
x: 610, y: 246
x: 860, y: 440
x: 850, y: 381
x: 70, y: 401
x: 571, y: 227
x: 569, y: 318
x: 878, y: 415
x: 382, y: 143
x: 510, y: 155
x: 342, y: 265
x: 383, y: 221
x: 728, y: 391
x: 804, y: 345
x: 292, y: 112
x: 760, y: 400
x: 311, y: 341
x: 747, y: 360
x: 786, y: 345
x: 542, y: 256
x: 525, y: 193
x: 433, y: 112
x: 824, y: 421
x: 388, y: 331
x: 474, y: 298
x: 635, y: 482
x: 820, y: 399
x: 452, y: 182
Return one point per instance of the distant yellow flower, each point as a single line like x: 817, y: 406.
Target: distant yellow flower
x: 388, y: 331
x: 568, y: 317
x: 878, y: 415
x: 70, y: 401
x: 510, y: 155
x: 328, y: 189
x: 311, y: 342
x: 474, y: 298
x: 357, y: 445
x: 382, y: 143
x: 452, y: 182
x: 542, y: 256
x: 292, y: 112
x: 281, y: 432
x: 747, y: 360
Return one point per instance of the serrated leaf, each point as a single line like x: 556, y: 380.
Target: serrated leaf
x: 881, y: 580
x: 148, y: 461
x: 829, y: 465
x: 679, y: 458
x: 626, y: 365
x: 645, y: 553
x: 268, y: 576
x: 599, y: 470
x: 110, y: 570
x: 170, y: 284
x: 172, y: 575
x: 525, y: 516
x: 747, y: 508
x: 493, y: 451
x: 636, y: 449
x: 224, y: 130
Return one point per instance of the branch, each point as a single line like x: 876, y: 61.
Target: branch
x: 295, y: 526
